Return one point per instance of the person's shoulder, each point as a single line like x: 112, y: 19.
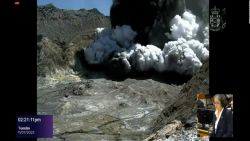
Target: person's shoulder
x: 227, y: 111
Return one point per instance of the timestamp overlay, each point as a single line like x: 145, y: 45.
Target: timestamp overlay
x: 34, y: 126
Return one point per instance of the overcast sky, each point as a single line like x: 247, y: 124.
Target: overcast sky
x: 102, y: 5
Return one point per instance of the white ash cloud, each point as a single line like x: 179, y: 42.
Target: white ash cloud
x: 184, y: 55
x: 206, y: 35
x: 109, y: 41
x: 144, y: 58
x: 124, y: 35
x: 183, y: 27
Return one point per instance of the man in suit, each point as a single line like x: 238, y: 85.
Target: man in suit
x: 223, y: 118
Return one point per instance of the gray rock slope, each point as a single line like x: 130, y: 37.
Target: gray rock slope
x: 62, y: 33
x: 96, y: 109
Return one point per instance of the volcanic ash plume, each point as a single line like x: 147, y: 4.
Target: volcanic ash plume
x: 206, y: 35
x: 184, y: 27
x: 184, y: 55
x: 109, y: 41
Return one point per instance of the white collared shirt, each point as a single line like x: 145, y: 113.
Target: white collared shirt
x: 217, y: 118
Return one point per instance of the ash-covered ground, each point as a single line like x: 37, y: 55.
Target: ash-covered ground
x: 99, y: 108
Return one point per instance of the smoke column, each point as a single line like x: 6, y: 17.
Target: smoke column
x: 120, y: 48
x: 185, y: 8
x: 184, y: 55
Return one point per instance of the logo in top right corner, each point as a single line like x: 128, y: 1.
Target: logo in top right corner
x: 217, y: 19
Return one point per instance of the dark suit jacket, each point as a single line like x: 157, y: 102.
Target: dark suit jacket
x: 225, y: 125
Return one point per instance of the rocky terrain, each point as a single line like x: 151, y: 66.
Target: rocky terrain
x: 62, y: 33
x: 99, y: 108
x: 68, y: 26
x: 184, y: 108
x: 95, y: 109
x: 91, y: 105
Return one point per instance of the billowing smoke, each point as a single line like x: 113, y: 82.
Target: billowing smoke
x: 108, y: 42
x: 184, y: 55
x: 138, y: 14
x: 206, y: 37
x: 183, y: 27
